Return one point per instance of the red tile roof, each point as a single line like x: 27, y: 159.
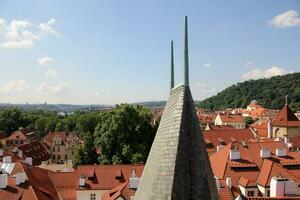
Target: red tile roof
x: 232, y: 118
x: 36, y: 187
x: 286, y: 118
x: 261, y: 127
x: 20, y: 134
x: 65, y: 184
x: 36, y: 150
x: 65, y: 136
x: 220, y: 127
x: 104, y: 176
x: 98, y: 177
x: 246, y: 182
x: 224, y: 192
x: 223, y: 137
x: 251, y: 168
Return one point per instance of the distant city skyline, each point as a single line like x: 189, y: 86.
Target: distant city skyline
x: 107, y: 52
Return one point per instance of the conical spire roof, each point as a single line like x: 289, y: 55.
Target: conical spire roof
x: 178, y: 167
x: 285, y: 116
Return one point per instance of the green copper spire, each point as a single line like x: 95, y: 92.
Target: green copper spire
x: 172, y: 66
x: 186, y: 54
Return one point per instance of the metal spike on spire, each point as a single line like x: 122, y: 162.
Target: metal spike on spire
x: 172, y: 66
x: 186, y: 54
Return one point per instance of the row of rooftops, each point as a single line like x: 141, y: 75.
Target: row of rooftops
x: 247, y: 169
x: 21, y: 180
x: 254, y: 164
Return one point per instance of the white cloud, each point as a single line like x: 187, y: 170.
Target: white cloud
x: 267, y: 73
x: 45, y: 60
x: 59, y: 88
x: 15, y: 86
x: 207, y: 65
x: 2, y: 24
x: 203, y: 88
x: 47, y: 28
x: 249, y: 64
x: 23, y: 33
x: 287, y: 19
x: 51, y: 73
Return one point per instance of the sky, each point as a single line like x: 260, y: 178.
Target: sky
x: 112, y: 51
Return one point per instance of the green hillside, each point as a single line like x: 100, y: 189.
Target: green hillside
x: 270, y: 93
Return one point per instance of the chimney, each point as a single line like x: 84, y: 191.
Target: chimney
x: 220, y: 147
x: 20, y: 154
x: 281, y: 152
x: 270, y: 129
x: 285, y: 139
x: 23, y: 177
x: 3, y: 181
x: 28, y: 160
x: 82, y: 181
x: 1, y: 152
x: 70, y: 163
x: 291, y: 188
x: 133, y: 180
x: 234, y: 154
x: 18, y: 178
x: 7, y: 159
x: 229, y: 183
x: 277, y: 186
x: 218, y: 184
x: 265, y: 153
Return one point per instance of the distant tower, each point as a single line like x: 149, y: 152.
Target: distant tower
x: 178, y: 166
x: 172, y: 65
x: 286, y: 100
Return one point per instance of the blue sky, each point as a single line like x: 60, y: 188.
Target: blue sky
x: 106, y: 52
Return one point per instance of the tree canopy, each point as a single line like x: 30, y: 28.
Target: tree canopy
x: 270, y: 93
x: 124, y: 135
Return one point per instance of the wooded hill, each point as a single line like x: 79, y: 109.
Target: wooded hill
x: 270, y: 93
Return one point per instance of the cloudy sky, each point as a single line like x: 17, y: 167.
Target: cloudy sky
x: 110, y: 51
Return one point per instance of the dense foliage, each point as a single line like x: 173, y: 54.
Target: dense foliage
x: 122, y: 135
x: 270, y: 93
x: 43, y: 121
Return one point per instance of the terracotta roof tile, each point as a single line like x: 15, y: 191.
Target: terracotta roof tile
x: 216, y: 136
x: 232, y: 118
x: 286, y: 117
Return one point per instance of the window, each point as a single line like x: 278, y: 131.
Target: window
x: 58, y: 149
x: 92, y: 196
x: 53, y: 157
x: 250, y: 193
x: 58, y: 157
x: 268, y: 193
x: 53, y: 149
x: 66, y: 157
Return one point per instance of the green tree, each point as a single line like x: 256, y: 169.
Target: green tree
x: 124, y: 135
x: 10, y: 120
x: 270, y: 93
x: 249, y: 120
x: 86, y: 123
x: 86, y: 154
